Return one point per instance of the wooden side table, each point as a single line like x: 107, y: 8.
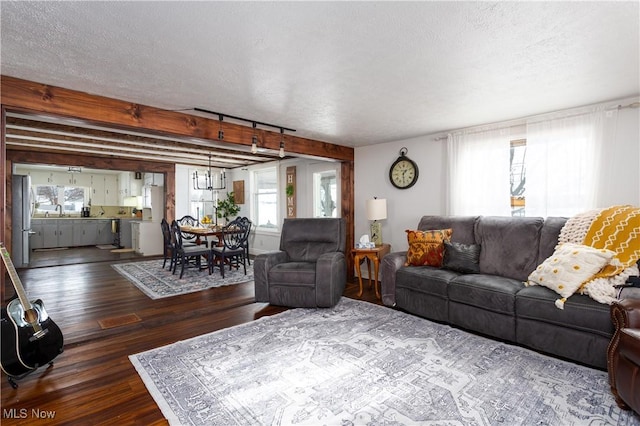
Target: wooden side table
x: 373, y: 254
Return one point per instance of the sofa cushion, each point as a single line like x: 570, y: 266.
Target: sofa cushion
x: 463, y: 258
x: 306, y: 239
x: 462, y: 226
x: 568, y: 267
x: 549, y: 237
x: 426, y: 248
x: 580, y: 312
x: 294, y: 273
x: 425, y: 279
x: 509, y: 245
x: 489, y: 292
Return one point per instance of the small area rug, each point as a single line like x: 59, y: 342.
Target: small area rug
x: 106, y: 246
x: 364, y: 364
x: 156, y: 282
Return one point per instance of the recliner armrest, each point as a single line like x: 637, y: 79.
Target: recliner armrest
x: 331, y: 278
x: 630, y: 344
x: 262, y: 264
x: 625, y: 313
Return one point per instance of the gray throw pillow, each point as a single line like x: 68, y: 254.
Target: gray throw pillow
x: 461, y: 257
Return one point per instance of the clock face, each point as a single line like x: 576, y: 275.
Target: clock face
x: 403, y: 173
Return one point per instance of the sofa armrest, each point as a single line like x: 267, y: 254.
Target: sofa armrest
x: 331, y: 278
x: 625, y: 313
x: 389, y: 266
x: 262, y: 264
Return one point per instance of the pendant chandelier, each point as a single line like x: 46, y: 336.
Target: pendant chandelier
x: 209, y: 183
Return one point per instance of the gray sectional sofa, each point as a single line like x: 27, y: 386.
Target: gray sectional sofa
x: 495, y: 301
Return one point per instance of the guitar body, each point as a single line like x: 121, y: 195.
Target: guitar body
x: 23, y: 348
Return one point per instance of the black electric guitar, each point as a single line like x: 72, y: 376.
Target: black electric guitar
x: 30, y: 339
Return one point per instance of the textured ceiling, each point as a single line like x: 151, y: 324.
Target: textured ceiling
x: 350, y: 73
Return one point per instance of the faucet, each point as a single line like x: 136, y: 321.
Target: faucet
x: 61, y: 213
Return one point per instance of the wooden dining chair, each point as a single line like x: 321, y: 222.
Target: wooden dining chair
x: 247, y: 222
x: 189, y: 256
x: 169, y: 250
x: 189, y: 239
x: 232, y: 251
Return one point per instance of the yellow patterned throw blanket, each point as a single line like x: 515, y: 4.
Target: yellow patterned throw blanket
x: 599, y: 249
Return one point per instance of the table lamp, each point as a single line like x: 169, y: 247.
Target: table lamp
x: 376, y: 210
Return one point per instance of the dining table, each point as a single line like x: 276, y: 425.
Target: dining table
x: 204, y: 231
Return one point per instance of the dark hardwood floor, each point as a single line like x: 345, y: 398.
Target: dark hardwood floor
x: 93, y: 381
x: 71, y: 256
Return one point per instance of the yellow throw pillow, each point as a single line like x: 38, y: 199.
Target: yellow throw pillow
x: 426, y: 248
x: 569, y: 267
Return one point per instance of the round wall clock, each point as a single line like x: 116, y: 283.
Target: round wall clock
x: 404, y: 171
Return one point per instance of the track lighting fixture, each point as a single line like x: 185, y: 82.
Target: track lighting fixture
x: 254, y: 140
x: 281, y: 153
x: 254, y: 137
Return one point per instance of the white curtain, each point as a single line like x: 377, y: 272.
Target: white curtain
x: 563, y: 164
x: 478, y: 173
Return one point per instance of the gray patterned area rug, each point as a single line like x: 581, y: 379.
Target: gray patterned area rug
x: 156, y: 282
x: 363, y: 364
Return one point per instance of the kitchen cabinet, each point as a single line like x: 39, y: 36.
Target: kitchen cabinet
x: 55, y: 233
x: 43, y: 177
x: 146, y: 238
x: 65, y: 233
x: 50, y: 233
x: 136, y: 186
x: 124, y: 191
x: 104, y: 190
x: 36, y: 239
x: 111, y: 197
x: 105, y: 236
x: 154, y: 179
x: 129, y: 186
x: 85, y: 232
x: 97, y: 190
x: 154, y: 199
x: 78, y: 179
x: 125, y: 233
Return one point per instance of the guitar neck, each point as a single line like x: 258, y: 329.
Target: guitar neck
x: 15, y: 279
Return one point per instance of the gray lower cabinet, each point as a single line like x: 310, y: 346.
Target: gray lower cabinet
x: 105, y: 236
x: 50, y: 233
x: 85, y: 232
x: 65, y: 233
x: 125, y: 233
x: 57, y: 233
x: 36, y: 239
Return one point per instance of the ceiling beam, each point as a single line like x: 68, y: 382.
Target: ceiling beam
x: 24, y: 95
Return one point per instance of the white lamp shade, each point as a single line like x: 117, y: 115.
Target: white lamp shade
x: 377, y: 209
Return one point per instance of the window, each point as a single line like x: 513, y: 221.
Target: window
x: 325, y: 194
x: 265, y: 198
x: 560, y: 162
x: 478, y: 173
x: 70, y: 199
x: 517, y: 176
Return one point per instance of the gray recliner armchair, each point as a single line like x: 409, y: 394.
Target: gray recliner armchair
x: 310, y: 270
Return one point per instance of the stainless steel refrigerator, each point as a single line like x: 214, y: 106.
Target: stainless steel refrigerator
x: 22, y: 210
